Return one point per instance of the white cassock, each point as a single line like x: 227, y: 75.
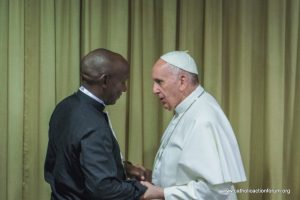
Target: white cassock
x: 199, y: 157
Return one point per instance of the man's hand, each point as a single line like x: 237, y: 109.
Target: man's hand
x: 138, y: 172
x: 152, y: 192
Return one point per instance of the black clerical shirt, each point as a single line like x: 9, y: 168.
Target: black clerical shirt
x: 83, y: 157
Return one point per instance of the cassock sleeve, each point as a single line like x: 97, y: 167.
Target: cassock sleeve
x: 49, y: 164
x: 209, y: 164
x: 100, y: 169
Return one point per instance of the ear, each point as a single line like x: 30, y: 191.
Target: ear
x: 104, y: 80
x: 183, y: 82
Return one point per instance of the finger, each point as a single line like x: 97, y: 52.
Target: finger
x: 136, y: 173
x: 145, y: 183
x: 141, y: 167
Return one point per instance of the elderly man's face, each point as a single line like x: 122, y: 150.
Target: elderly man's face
x: 166, y: 85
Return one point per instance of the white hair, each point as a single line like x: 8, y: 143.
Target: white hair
x: 193, y: 78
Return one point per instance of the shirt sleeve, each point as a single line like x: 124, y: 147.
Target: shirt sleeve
x: 99, y: 166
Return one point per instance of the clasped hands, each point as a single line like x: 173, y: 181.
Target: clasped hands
x: 145, y: 177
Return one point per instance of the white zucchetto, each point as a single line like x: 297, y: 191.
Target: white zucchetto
x: 182, y: 60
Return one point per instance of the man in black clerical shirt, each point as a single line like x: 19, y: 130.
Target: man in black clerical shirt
x: 83, y: 157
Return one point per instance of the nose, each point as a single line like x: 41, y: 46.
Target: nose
x: 125, y: 87
x: 155, y: 89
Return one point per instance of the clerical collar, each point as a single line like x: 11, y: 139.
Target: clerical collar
x: 185, y: 104
x: 85, y: 91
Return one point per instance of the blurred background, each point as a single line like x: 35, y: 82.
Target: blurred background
x: 248, y: 53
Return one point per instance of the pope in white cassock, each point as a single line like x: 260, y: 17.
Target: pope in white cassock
x: 199, y: 156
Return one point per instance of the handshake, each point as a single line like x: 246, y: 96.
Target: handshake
x: 143, y: 175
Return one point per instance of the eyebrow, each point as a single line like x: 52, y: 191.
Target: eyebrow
x: 157, y: 80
